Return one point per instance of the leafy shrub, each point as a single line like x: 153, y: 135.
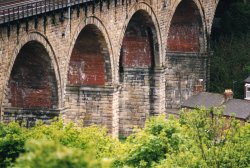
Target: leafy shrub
x: 51, y: 154
x: 148, y: 146
x: 92, y: 138
x: 12, y: 139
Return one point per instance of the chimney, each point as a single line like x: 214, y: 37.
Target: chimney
x: 199, y: 86
x: 228, y: 94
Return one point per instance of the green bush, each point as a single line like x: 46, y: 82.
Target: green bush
x: 12, y: 139
x: 148, y: 146
x: 50, y: 154
x: 93, y: 137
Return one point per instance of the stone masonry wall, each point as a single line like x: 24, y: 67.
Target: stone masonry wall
x: 182, y: 75
x: 135, y: 104
x: 89, y: 105
x: 28, y: 117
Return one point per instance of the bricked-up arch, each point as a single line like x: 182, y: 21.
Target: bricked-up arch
x: 35, y: 111
x: 138, y: 47
x: 186, y: 29
x: 151, y: 16
x: 186, y: 53
x: 136, y: 67
x: 32, y: 82
x: 90, y: 61
x: 89, y: 77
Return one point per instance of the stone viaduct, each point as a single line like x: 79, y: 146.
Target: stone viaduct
x: 107, y: 62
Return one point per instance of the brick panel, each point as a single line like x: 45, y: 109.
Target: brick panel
x: 184, y: 32
x: 87, y: 63
x: 25, y: 97
x: 184, y: 38
x: 86, y: 69
x: 30, y: 84
x: 136, y: 52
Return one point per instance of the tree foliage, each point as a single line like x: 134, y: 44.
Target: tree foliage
x: 230, y: 61
x: 230, y: 64
x: 236, y: 19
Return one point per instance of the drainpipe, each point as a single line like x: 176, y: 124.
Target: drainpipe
x: 69, y: 19
x: 69, y: 14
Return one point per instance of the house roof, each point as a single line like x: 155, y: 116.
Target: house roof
x: 237, y: 107
x: 240, y: 108
x: 247, y: 80
x: 204, y: 99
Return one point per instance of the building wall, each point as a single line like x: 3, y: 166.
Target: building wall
x: 150, y: 88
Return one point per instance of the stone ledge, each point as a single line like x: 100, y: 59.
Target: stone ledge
x: 35, y: 111
x: 187, y: 54
x: 110, y: 89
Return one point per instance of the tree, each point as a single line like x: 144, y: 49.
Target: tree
x: 230, y: 65
x: 230, y: 61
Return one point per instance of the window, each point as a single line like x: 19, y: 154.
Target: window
x: 247, y: 91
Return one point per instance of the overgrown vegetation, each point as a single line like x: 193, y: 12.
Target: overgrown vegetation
x: 230, y: 62
x: 199, y: 138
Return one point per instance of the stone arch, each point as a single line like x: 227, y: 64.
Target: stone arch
x: 89, y: 86
x: 98, y: 24
x: 36, y: 39
x: 221, y: 7
x: 140, y: 56
x: 211, y: 17
x: 197, y: 7
x: 142, y: 6
x: 186, y: 49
